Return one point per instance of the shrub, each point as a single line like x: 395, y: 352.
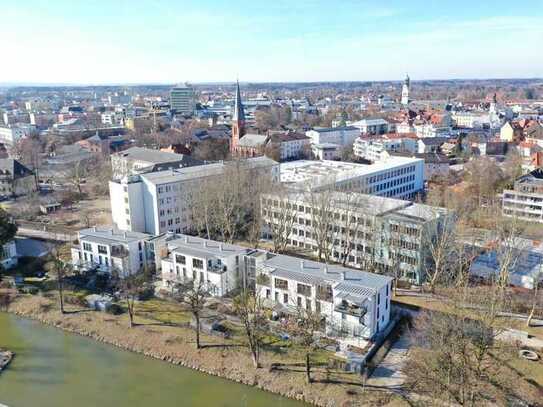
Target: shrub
x: 114, y: 309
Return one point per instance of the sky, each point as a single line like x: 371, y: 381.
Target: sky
x: 168, y: 41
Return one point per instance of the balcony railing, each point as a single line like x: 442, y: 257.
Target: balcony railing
x: 351, y: 309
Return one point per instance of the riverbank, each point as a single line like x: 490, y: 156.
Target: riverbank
x: 6, y: 357
x: 223, y: 358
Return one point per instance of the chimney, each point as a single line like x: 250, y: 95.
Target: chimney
x: 326, y: 269
x: 220, y: 247
x: 343, y: 275
x: 302, y: 265
x: 186, y: 239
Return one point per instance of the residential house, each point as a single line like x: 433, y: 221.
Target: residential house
x: 15, y: 179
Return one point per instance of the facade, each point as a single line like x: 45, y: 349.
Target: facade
x: 525, y: 201
x: 219, y: 266
x: 354, y: 304
x: 137, y: 160
x: 158, y: 202
x: 12, y: 134
x: 251, y: 145
x: 15, y: 179
x: 372, y: 126
x: 182, y: 100
x: 341, y: 136
x: 372, y: 149
x: 290, y: 145
x: 325, y: 151
x: 108, y: 249
x: 362, y: 230
x: 399, y: 177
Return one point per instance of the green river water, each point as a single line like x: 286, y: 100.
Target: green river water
x: 57, y: 369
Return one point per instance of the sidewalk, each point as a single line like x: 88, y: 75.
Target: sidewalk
x: 389, y: 372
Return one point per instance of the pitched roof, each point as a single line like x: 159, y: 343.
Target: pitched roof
x: 239, y: 113
x: 253, y: 140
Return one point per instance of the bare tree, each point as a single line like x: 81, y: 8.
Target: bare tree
x: 130, y: 287
x: 193, y: 294
x: 250, y: 310
x: 60, y: 266
x: 280, y: 211
x: 303, y: 329
x: 322, y: 220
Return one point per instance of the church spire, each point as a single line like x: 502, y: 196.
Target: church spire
x: 239, y: 113
x: 238, y: 121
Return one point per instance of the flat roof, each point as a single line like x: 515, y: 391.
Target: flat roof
x: 150, y: 156
x: 109, y: 235
x: 304, y: 170
x: 204, y: 248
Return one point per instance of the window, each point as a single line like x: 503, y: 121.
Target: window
x: 285, y: 298
x: 303, y: 289
x: 102, y: 249
x: 198, y: 263
x: 201, y: 276
x: 87, y: 247
x: 268, y: 293
x: 180, y: 259
x: 300, y: 302
x: 276, y: 296
x: 281, y: 284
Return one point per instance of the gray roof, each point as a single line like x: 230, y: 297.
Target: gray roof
x: 109, y: 235
x: 312, y: 271
x: 330, y: 129
x: 152, y: 156
x: 253, y: 140
x: 199, y: 247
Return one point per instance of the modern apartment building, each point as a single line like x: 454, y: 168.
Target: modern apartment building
x: 372, y: 126
x: 182, y: 100
x: 158, y: 202
x: 399, y: 177
x: 108, y: 249
x: 372, y: 148
x: 219, y: 266
x: 525, y: 201
x: 363, y: 231
x: 355, y: 304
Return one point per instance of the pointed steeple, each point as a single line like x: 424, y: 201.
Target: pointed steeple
x: 239, y: 113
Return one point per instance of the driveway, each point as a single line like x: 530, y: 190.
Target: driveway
x: 389, y: 372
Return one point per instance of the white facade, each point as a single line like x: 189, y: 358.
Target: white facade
x: 341, y: 136
x: 11, y: 135
x: 219, y: 266
x: 371, y: 127
x: 182, y: 99
x: 373, y: 148
x: 158, y: 202
x: 108, y: 249
x: 355, y: 304
x: 325, y: 151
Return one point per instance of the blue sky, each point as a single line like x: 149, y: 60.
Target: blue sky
x: 277, y: 40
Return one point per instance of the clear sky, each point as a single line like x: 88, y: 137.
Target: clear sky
x: 163, y: 41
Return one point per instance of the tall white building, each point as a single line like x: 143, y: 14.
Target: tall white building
x: 158, y: 202
x: 341, y: 136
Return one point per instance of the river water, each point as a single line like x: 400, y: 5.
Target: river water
x: 57, y: 369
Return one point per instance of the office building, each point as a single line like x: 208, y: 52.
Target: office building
x: 182, y: 100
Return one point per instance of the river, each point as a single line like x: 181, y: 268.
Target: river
x: 57, y: 369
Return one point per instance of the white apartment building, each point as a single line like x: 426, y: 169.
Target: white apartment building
x: 373, y: 148
x: 112, y: 118
x: 8, y: 255
x: 525, y: 200
x: 12, y: 134
x: 325, y: 151
x: 158, y: 202
x: 219, y: 266
x: 470, y: 120
x: 398, y: 177
x: 354, y: 304
x: 107, y: 249
x: 363, y: 230
x: 291, y: 145
x: 372, y: 126
x: 341, y: 136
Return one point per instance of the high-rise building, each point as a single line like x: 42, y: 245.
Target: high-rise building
x: 405, y: 90
x: 182, y: 99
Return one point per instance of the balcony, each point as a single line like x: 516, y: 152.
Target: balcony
x: 351, y: 309
x: 263, y: 279
x: 217, y: 268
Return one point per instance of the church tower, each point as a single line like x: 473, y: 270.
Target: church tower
x: 405, y: 91
x: 238, y: 121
